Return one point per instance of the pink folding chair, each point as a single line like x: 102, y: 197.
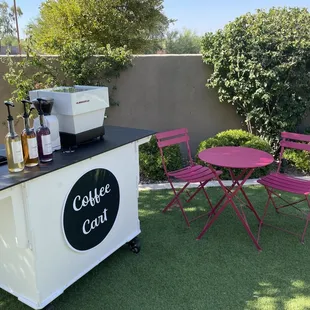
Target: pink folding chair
x: 193, y: 173
x: 276, y: 182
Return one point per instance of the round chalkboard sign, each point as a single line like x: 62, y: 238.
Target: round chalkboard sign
x: 91, y: 209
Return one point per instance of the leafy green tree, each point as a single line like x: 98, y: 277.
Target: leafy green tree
x: 176, y: 42
x: 77, y: 63
x: 80, y: 65
x: 7, y: 20
x: 261, y: 65
x: 9, y: 40
x: 185, y: 42
x: 130, y: 23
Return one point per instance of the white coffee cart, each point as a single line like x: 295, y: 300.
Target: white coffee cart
x: 61, y: 219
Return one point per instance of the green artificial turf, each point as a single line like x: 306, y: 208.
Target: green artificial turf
x: 175, y: 271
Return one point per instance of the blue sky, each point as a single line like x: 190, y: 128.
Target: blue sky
x: 198, y: 15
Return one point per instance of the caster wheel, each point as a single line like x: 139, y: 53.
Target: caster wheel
x: 101, y: 138
x: 134, y: 245
x: 135, y: 249
x: 49, y: 307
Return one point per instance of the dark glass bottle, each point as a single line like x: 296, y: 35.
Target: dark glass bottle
x: 44, y: 139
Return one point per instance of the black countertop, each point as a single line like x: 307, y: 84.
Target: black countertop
x: 114, y: 137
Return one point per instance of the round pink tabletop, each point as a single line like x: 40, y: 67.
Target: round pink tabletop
x: 236, y: 157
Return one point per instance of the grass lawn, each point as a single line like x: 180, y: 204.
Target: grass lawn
x: 174, y: 271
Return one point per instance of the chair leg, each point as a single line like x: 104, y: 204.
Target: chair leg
x: 200, y: 187
x: 307, y: 222
x: 176, y: 200
x: 272, y: 200
x: 207, y: 196
x: 305, y: 230
x: 170, y: 204
x: 265, y: 212
x: 173, y: 200
x: 188, y: 194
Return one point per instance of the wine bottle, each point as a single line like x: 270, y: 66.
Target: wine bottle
x: 44, y: 137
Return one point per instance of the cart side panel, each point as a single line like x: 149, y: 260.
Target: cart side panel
x: 17, y: 272
x: 57, y: 264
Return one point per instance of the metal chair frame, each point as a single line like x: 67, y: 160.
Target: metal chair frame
x: 275, y: 183
x: 193, y: 173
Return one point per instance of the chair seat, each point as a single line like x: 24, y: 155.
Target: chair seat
x: 193, y: 174
x: 286, y: 183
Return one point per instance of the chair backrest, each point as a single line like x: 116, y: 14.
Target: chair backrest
x: 294, y: 141
x: 173, y: 137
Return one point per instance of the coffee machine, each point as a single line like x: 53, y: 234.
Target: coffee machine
x: 80, y: 111
x: 50, y: 121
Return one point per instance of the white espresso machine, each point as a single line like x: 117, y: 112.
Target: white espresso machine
x: 80, y: 111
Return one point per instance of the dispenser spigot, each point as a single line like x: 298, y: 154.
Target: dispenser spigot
x: 40, y: 100
x: 25, y: 102
x: 8, y: 105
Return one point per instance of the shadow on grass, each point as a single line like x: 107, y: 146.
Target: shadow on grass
x: 223, y: 270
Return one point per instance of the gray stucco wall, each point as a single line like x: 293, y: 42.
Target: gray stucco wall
x: 161, y: 92
x: 166, y: 92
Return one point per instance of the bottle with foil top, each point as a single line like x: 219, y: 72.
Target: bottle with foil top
x: 29, y: 139
x: 13, y: 145
x: 44, y: 137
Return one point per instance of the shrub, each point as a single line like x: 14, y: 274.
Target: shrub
x: 263, y: 70
x: 299, y: 159
x: 151, y: 163
x: 236, y: 138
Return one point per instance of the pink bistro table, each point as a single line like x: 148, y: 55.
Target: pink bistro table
x: 234, y: 157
